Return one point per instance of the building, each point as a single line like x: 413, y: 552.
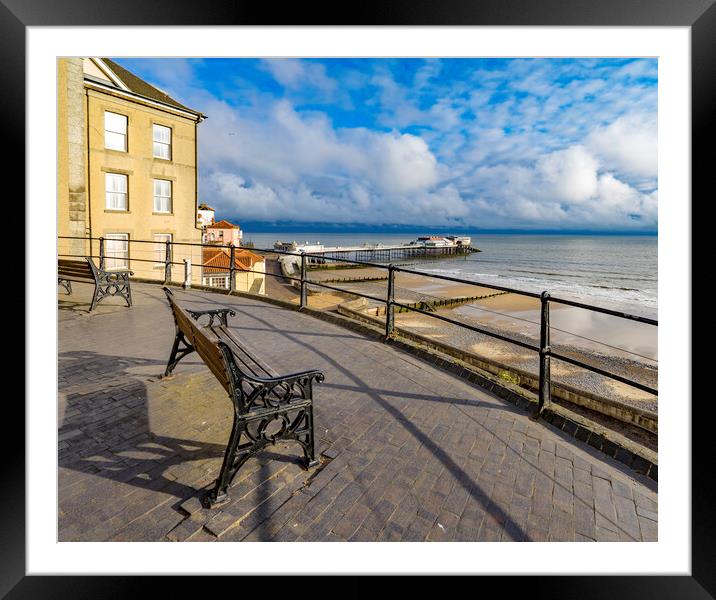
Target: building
x: 437, y: 241
x: 223, y: 232
x: 249, y: 269
x: 127, y: 166
x: 205, y: 215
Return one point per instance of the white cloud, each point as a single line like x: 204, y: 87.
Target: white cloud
x: 281, y: 164
x: 295, y: 73
x: 568, y: 175
x: 628, y: 145
x: 571, y: 152
x: 565, y: 188
x: 398, y: 164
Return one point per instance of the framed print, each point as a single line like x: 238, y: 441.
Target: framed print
x: 422, y: 254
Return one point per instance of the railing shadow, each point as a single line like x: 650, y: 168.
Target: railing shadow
x: 472, y: 487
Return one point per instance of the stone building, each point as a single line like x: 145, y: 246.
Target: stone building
x: 249, y: 269
x: 223, y: 232
x: 127, y: 166
x: 205, y: 215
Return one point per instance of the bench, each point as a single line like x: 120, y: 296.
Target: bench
x: 267, y: 407
x: 106, y: 283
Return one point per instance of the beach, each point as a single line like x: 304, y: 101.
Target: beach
x: 616, y: 345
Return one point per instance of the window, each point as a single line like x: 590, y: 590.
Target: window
x: 162, y: 196
x: 220, y: 282
x: 162, y: 142
x: 116, y: 251
x: 115, y: 131
x: 161, y: 247
x: 115, y: 186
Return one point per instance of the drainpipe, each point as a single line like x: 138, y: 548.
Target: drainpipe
x: 196, y: 176
x: 87, y: 172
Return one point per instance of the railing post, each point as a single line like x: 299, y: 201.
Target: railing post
x: 389, y: 303
x: 232, y: 269
x: 544, y: 359
x: 187, y: 273
x: 304, y: 286
x: 167, y: 262
x: 101, y: 253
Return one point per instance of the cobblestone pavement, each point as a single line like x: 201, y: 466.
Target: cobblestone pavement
x: 408, y: 452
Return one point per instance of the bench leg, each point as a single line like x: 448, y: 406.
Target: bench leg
x: 65, y: 283
x: 231, y: 465
x: 178, y: 353
x: 95, y: 298
x: 307, y: 440
x: 237, y: 453
x: 115, y: 287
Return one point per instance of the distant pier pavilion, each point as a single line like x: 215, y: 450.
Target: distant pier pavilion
x: 423, y: 247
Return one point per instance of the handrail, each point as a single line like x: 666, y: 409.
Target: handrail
x: 543, y: 349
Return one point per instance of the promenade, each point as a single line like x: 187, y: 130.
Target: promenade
x: 408, y: 452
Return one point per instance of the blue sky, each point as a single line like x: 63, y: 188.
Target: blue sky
x: 559, y: 144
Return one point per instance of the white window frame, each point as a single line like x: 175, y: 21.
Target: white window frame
x: 116, y: 258
x: 221, y: 281
x: 117, y: 194
x: 160, y: 144
x: 160, y: 248
x: 155, y: 196
x: 114, y: 131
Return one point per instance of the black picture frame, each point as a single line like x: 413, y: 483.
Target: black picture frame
x: 699, y: 15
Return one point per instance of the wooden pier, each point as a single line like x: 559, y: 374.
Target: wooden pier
x: 381, y: 253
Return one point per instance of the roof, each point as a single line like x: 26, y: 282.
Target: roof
x: 204, y: 206
x: 140, y: 87
x: 218, y: 260
x: 223, y: 224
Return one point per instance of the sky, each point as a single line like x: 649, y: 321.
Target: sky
x: 518, y: 144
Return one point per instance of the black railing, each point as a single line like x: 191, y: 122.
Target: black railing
x: 544, y: 349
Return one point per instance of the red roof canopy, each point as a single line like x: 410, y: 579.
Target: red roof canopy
x: 223, y: 224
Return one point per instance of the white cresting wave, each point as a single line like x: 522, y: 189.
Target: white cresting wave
x: 637, y: 301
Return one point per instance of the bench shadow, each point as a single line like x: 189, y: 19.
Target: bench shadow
x: 104, y: 430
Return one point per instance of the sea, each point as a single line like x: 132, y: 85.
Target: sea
x: 614, y: 271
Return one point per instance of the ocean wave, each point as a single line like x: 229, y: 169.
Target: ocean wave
x: 601, y: 293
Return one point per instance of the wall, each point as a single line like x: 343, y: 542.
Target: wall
x: 140, y: 221
x: 72, y: 209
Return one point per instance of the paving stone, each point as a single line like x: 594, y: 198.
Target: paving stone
x: 410, y: 452
x: 184, y: 530
x: 220, y: 523
x: 192, y: 505
x: 647, y: 514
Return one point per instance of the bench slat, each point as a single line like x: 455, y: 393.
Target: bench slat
x: 75, y: 270
x: 79, y: 278
x: 211, y: 355
x: 255, y: 365
x: 206, y: 347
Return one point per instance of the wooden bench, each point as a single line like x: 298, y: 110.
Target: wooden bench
x: 106, y: 283
x: 267, y: 407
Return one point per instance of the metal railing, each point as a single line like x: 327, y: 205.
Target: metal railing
x: 543, y: 349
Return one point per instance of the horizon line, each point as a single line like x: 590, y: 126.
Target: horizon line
x: 333, y: 228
